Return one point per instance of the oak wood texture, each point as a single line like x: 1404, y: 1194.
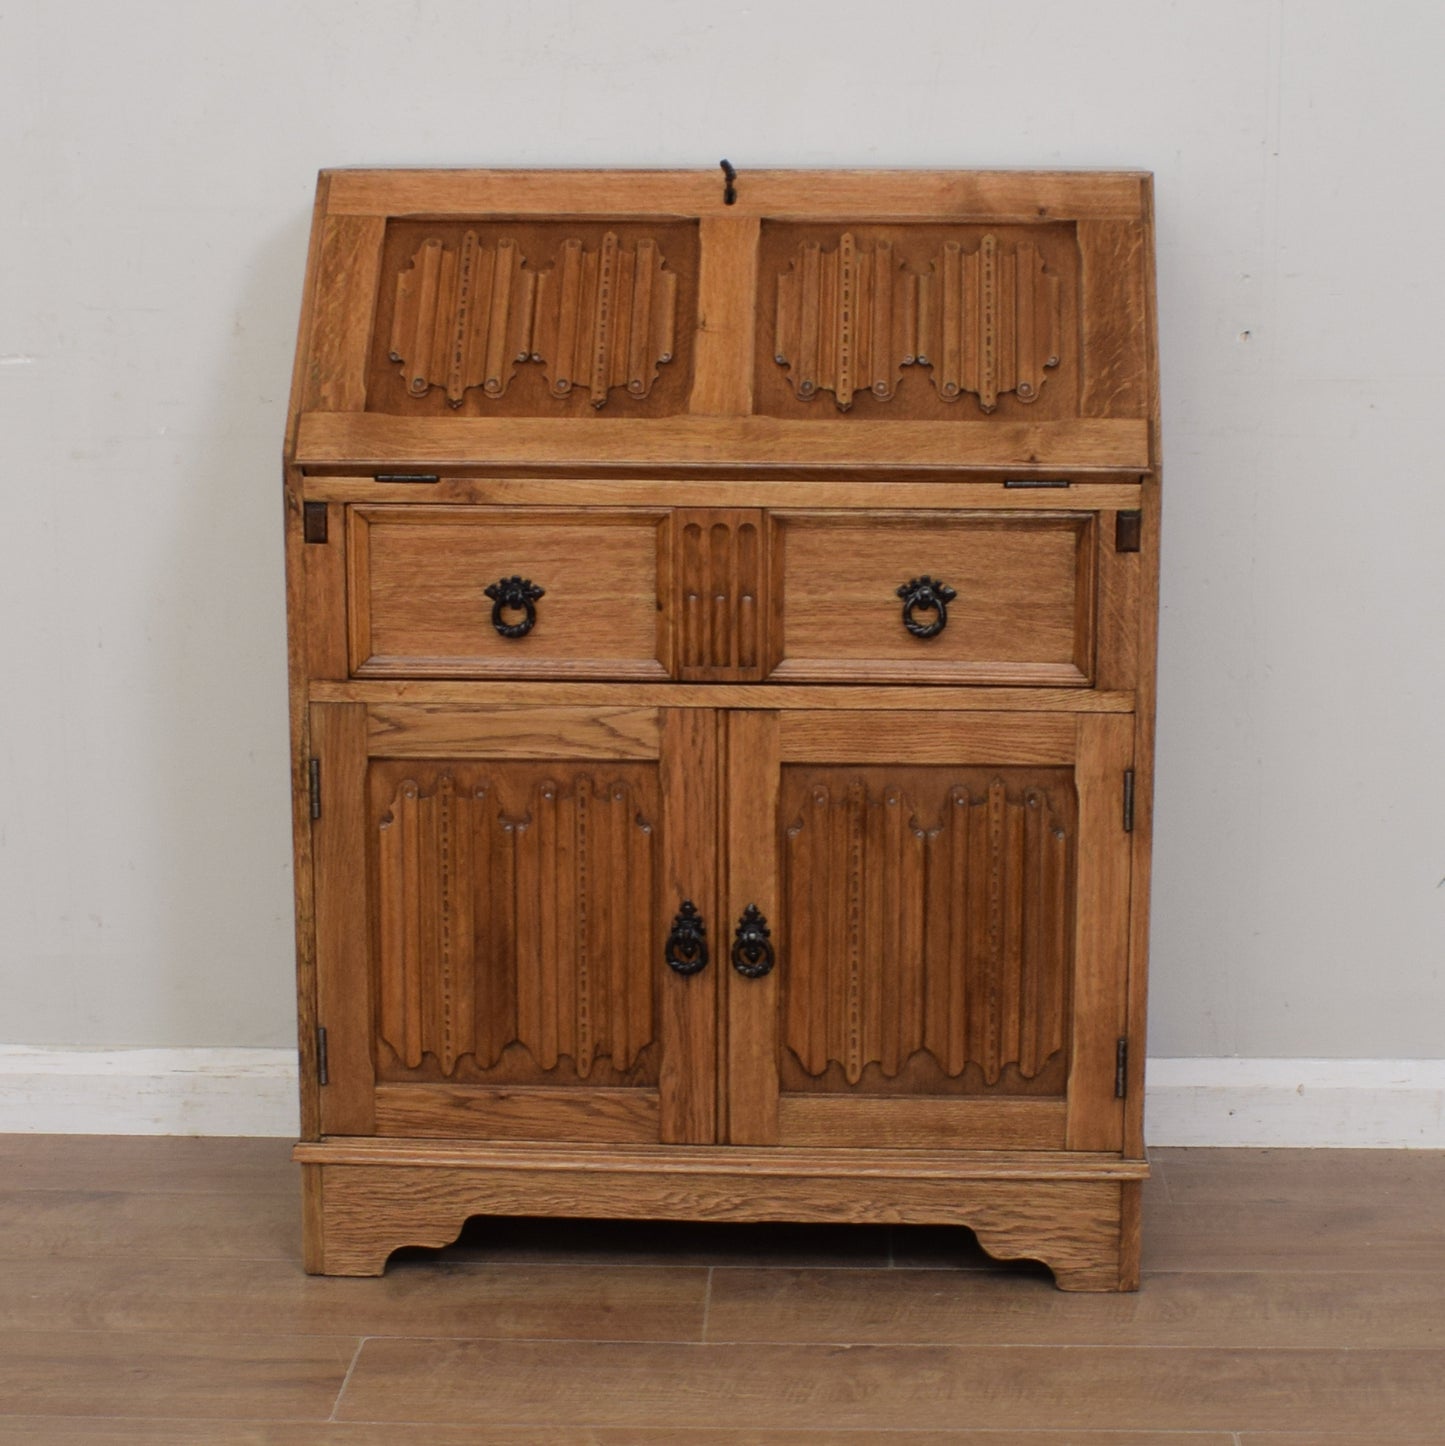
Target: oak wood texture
x: 604, y: 652
x: 128, y: 1321
x: 1069, y: 1216
x: 1024, y: 610
x: 419, y: 608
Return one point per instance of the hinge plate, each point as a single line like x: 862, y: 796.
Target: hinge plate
x: 322, y: 1072
x: 313, y: 784
x: 1036, y: 482
x: 313, y: 521
x: 1121, y: 1069
x: 1128, y: 800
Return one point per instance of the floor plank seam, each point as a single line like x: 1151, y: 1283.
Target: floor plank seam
x: 346, y: 1379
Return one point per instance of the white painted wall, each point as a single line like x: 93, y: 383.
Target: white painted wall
x: 157, y: 160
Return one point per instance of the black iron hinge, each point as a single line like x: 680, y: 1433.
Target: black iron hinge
x: 313, y: 783
x: 1036, y: 482
x: 1121, y: 1070
x: 1128, y: 800
x: 322, y: 1075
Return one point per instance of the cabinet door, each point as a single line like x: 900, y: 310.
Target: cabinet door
x: 947, y: 905
x: 495, y: 894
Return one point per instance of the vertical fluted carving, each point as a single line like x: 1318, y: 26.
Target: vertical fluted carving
x: 989, y: 321
x: 463, y: 317
x: 524, y: 919
x: 719, y: 572
x: 917, y: 925
x: 845, y: 320
x: 605, y: 318
x: 985, y: 322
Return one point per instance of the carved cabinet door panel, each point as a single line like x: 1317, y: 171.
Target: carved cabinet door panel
x: 928, y: 953
x: 510, y: 916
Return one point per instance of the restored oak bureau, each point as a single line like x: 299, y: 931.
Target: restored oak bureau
x: 722, y: 614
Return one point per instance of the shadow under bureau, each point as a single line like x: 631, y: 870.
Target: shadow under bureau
x: 722, y: 678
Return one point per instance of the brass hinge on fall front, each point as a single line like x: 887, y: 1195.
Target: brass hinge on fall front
x: 1128, y: 800
x: 313, y: 784
x: 1121, y: 1070
x: 322, y: 1074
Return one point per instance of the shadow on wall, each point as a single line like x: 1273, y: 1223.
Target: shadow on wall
x: 225, y: 954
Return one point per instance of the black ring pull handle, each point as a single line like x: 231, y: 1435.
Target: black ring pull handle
x: 752, y: 948
x: 686, y: 951
x: 924, y: 595
x: 512, y: 595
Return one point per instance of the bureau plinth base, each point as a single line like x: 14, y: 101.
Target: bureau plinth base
x: 1078, y: 1214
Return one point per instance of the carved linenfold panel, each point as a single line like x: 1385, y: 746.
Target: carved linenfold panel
x: 846, y: 320
x: 984, y: 320
x: 463, y: 317
x: 926, y: 915
x: 515, y: 909
x: 605, y: 318
x: 720, y: 592
x: 989, y: 321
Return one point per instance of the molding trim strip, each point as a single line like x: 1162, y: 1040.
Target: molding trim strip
x: 1243, y: 1103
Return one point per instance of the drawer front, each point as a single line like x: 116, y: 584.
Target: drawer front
x: 941, y: 597
x: 441, y: 592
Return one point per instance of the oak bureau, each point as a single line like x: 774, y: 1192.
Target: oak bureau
x: 722, y: 615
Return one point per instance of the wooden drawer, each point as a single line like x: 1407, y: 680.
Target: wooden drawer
x: 1022, y: 610
x: 419, y: 603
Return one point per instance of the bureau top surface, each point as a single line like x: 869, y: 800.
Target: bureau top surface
x: 833, y: 320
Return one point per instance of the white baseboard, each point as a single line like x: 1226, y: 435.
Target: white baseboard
x: 1284, y: 1103
x: 148, y: 1091
x: 1350, y: 1104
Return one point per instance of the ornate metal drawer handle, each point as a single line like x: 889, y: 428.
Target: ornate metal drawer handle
x: 923, y: 595
x: 686, y: 950
x: 515, y: 594
x: 752, y: 950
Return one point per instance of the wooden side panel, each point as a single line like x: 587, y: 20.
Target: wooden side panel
x: 1120, y: 580
x: 843, y: 737
x: 689, y: 1003
x: 1115, y: 379
x: 325, y: 566
x: 836, y: 1121
x: 421, y: 730
x: 752, y: 782
x: 720, y: 594
x: 1101, y: 942
x: 343, y: 918
x: 723, y: 372
x: 475, y: 1112
x: 342, y: 306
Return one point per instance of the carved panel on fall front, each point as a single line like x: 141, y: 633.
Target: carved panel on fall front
x: 516, y: 922
x: 605, y: 318
x: 847, y: 320
x: 927, y: 929
x: 722, y: 628
x: 989, y: 321
x: 534, y: 318
x: 906, y: 321
x: 463, y: 317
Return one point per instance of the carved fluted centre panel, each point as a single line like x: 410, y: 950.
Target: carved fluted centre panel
x: 930, y: 915
x: 515, y: 908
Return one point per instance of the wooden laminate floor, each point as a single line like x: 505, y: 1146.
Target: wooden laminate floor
x: 151, y: 1292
